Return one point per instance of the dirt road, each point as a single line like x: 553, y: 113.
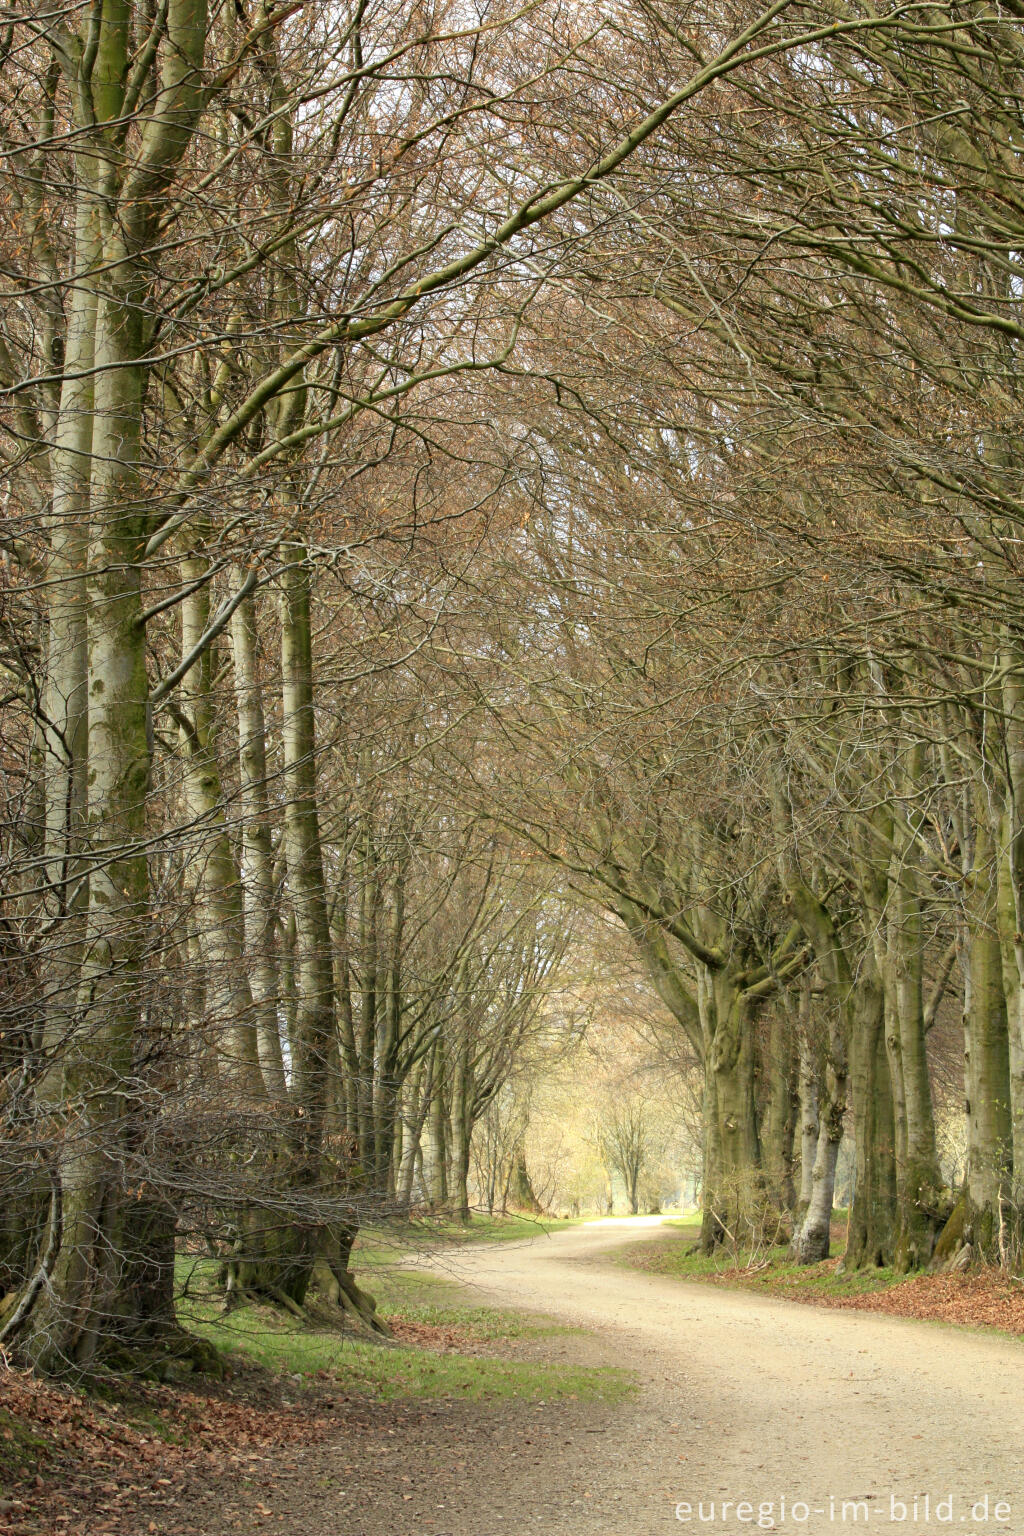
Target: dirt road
x: 752, y: 1415
x: 848, y: 1417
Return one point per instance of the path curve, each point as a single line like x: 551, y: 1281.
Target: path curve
x: 846, y: 1416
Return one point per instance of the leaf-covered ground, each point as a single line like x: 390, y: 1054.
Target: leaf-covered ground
x: 988, y: 1299
x: 128, y: 1457
x: 97, y: 1462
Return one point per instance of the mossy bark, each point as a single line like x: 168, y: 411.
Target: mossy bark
x: 780, y: 1064
x: 1010, y: 853
x: 733, y: 1194
x: 334, y: 1282
x: 988, y: 1185
x: 855, y: 987
x: 871, y: 1237
x: 812, y: 1238
x: 230, y: 1014
x: 522, y: 1194
x: 436, y: 1159
x: 76, y: 1309
x: 808, y: 1128
x: 923, y: 1204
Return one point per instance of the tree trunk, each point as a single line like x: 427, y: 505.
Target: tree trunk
x: 1011, y: 903
x: 523, y: 1195
x: 366, y: 1035
x: 418, y: 1108
x: 65, y: 726
x: 812, y: 1237
x: 437, y: 1139
x: 734, y: 1184
x: 69, y: 1323
x: 779, y: 1120
x: 257, y: 850
x: 461, y: 1135
x: 872, y: 1231
x: 809, y: 1126
x: 712, y: 1229
x: 283, y: 1265
x: 1012, y: 953
x: 855, y: 990
x: 387, y: 1087
x: 987, y: 1064
x: 922, y: 1206
x: 230, y: 1012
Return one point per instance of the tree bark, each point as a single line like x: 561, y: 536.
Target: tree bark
x: 871, y: 1239
x: 82, y: 1299
x: 230, y: 1011
x: 734, y: 1183
x: 523, y: 1195
x: 260, y: 919
x: 809, y: 1126
x: 282, y: 1264
x: 779, y: 1118
x: 987, y: 1063
x: 436, y: 1160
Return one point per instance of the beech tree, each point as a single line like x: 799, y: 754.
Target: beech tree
x: 230, y: 236
x: 459, y: 468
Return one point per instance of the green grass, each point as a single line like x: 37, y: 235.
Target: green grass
x: 813, y: 1278
x: 439, y: 1302
x: 418, y: 1297
x: 429, y: 1231
x: 379, y: 1251
x: 780, y: 1274
x: 407, y: 1294
x: 386, y: 1371
x: 389, y: 1372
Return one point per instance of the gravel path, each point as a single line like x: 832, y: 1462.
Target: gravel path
x: 751, y: 1399
x: 741, y: 1399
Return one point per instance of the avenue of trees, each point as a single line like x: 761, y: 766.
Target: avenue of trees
x: 483, y: 486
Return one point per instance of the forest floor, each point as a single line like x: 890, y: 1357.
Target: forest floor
x: 988, y: 1298
x: 549, y: 1385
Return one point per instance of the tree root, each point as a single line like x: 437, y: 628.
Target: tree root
x: 339, y: 1289
x: 284, y: 1300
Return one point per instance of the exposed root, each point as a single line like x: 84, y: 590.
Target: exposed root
x: 284, y: 1300
x: 338, y: 1288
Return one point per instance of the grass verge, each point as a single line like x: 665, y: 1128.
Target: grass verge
x: 444, y: 1346
x: 986, y: 1298
x: 768, y: 1269
x: 426, y: 1232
